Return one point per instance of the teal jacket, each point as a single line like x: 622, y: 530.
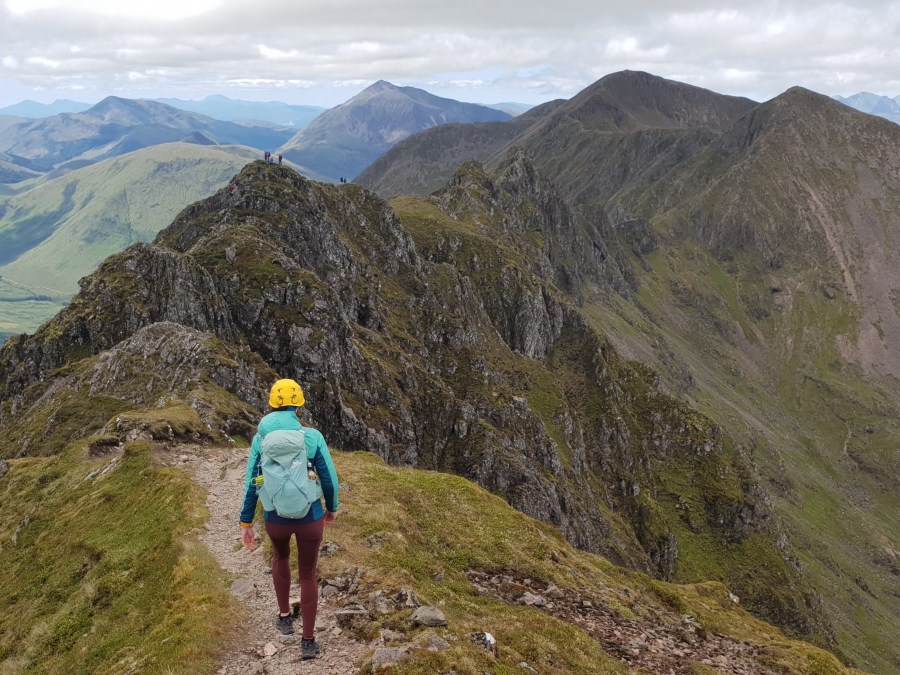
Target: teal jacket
x: 286, y: 419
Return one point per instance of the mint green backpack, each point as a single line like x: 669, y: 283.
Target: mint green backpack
x: 290, y: 484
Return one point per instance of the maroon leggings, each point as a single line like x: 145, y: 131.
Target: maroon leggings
x: 309, y: 538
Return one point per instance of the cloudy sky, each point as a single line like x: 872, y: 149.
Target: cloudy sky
x: 321, y: 52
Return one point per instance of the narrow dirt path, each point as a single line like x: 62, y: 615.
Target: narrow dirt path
x: 260, y: 648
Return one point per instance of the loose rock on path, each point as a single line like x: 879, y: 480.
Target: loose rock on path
x: 260, y: 648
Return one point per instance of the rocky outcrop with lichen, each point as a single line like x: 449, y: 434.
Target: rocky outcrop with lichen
x: 440, y: 335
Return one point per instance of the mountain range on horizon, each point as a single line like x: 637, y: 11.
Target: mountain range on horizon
x: 662, y: 319
x: 220, y: 107
x: 277, y: 112
x: 874, y: 104
x: 340, y: 143
x: 113, y: 127
x: 329, y: 149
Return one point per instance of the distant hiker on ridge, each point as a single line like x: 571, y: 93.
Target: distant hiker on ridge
x: 279, y: 160
x: 290, y: 470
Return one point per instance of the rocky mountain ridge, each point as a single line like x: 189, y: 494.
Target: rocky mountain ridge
x: 425, y: 335
x: 624, y: 126
x: 762, y: 277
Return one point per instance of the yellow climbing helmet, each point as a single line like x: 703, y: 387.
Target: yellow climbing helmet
x: 286, y: 392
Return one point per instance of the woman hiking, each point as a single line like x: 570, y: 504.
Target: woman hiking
x: 290, y: 469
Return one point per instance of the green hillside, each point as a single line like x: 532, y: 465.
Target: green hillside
x: 823, y: 435
x: 774, y: 286
x: 61, y: 229
x: 22, y: 309
x: 102, y: 572
x: 55, y: 230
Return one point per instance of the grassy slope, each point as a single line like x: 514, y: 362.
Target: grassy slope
x: 105, y: 574
x: 821, y: 433
x: 104, y: 208
x: 101, y: 574
x: 438, y: 523
x: 21, y: 311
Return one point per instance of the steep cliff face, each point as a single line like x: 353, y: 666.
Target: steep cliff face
x: 436, y: 333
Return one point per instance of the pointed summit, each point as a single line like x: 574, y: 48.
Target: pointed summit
x: 381, y: 85
x: 631, y: 100
x: 345, y: 140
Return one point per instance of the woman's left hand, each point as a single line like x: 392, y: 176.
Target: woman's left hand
x: 248, y: 537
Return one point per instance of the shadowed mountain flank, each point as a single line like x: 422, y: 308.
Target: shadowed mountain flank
x: 806, y: 184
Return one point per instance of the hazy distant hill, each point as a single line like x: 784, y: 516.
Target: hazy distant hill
x: 10, y: 172
x: 235, y: 110
x: 116, y: 126
x: 345, y: 140
x: 29, y: 108
x: 758, y: 243
x: 883, y: 106
x: 511, y: 107
x: 59, y: 230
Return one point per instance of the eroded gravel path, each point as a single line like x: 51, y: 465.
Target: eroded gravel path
x: 260, y: 648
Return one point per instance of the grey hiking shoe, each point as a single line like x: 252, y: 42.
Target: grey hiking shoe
x: 309, y: 648
x: 285, y: 624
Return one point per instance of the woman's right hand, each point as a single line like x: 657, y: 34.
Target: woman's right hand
x: 248, y: 537
x: 330, y: 516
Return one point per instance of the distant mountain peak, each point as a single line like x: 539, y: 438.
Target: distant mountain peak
x: 874, y: 104
x: 343, y: 141
x: 111, y: 101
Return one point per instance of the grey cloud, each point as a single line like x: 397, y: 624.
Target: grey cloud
x: 541, y: 49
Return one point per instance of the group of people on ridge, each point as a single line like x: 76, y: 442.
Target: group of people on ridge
x: 290, y: 470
